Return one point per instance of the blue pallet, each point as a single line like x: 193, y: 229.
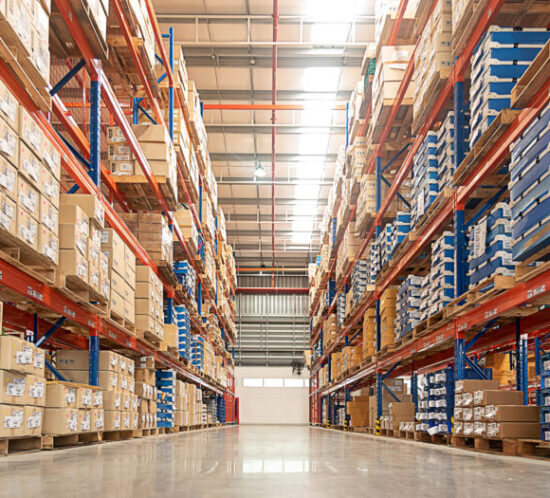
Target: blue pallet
x: 534, y: 132
x: 490, y: 252
x: 545, y: 363
x: 535, y: 215
x: 505, y: 54
x: 532, y: 243
x: 533, y: 165
x: 488, y: 269
x: 489, y: 68
x: 531, y: 197
x: 513, y: 36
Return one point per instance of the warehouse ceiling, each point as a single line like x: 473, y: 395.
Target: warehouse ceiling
x: 228, y: 49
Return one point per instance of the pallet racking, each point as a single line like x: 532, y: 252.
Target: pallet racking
x: 38, y: 302
x: 508, y: 319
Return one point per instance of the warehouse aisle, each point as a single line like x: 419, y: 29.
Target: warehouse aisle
x: 266, y: 461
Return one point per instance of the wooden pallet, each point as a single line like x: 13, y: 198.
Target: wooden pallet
x: 118, y: 435
x: 387, y: 432
x: 150, y: 337
x: 20, y: 444
x: 434, y: 439
x: 463, y: 442
x: 405, y: 33
x: 26, y: 259
x: 525, y: 273
x: 479, y: 294
x: 16, y: 57
x: 533, y: 448
x: 435, y: 87
x: 82, y: 293
x: 532, y: 80
x: 401, y: 127
x: 50, y: 442
x: 490, y: 445
x: 122, y: 322
x: 472, y: 14
x: 404, y: 434
x: 139, y: 193
x: 484, y: 144
x: 434, y: 208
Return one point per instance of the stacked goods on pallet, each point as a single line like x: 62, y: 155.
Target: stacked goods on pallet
x: 425, y: 185
x: 208, y: 219
x: 220, y: 415
x: 399, y: 390
x: 347, y: 250
x: 369, y: 333
x: 359, y: 279
x: 435, y: 402
x: 438, y: 285
x: 401, y: 414
x: 341, y: 308
x: 351, y: 357
x: 25, y: 40
x: 29, y: 185
x: 166, y: 397
x: 211, y: 409
x: 198, y: 351
x: 366, y: 200
x: 501, y: 57
x: 180, y: 403
x: 146, y: 393
x: 408, y: 305
x: 183, y: 323
x: 374, y: 262
x: 121, y: 263
x: 433, y: 60
x: 387, y: 316
x: 446, y: 149
x: 529, y: 188
x: 72, y: 408
x: 489, y: 246
x: 358, y: 410
x: 330, y: 330
x: 503, y: 369
x: 385, y: 244
x: 464, y: 392
x: 386, y: 14
x: 543, y: 395
x: 195, y: 405
x: 188, y: 228
x: 116, y: 378
x: 149, y: 303
x: 187, y: 277
x: 22, y: 388
x: 401, y: 226
x: 391, y: 66
x: 81, y: 219
x: 198, y: 130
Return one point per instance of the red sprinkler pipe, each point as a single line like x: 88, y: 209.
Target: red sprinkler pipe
x: 273, y: 132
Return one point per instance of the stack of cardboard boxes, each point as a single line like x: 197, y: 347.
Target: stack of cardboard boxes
x: 358, y: 409
x: 146, y: 392
x: 116, y: 378
x: 330, y: 330
x: 22, y: 388
x: 72, y: 408
x: 396, y: 386
x: 188, y: 228
x: 149, y: 302
x: 121, y: 265
x: 369, y: 333
x: 181, y: 412
x: 387, y: 316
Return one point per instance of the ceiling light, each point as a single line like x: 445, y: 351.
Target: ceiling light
x: 321, y: 79
x: 314, y: 143
x: 301, y: 237
x: 307, y: 191
x: 259, y: 172
x: 330, y: 33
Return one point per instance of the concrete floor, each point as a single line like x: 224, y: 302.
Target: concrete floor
x: 266, y: 461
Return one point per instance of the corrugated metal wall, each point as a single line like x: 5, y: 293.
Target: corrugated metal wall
x: 272, y: 330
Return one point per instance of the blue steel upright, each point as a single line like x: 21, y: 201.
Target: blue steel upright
x: 522, y: 380
x: 378, y: 229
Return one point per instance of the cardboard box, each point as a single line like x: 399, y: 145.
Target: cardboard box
x: 29, y: 165
x: 79, y: 360
x: 125, y: 420
x: 97, y: 398
x: 84, y: 420
x: 472, y: 385
x: 483, y: 397
x: 74, y: 215
x: 36, y: 390
x: 9, y: 106
x: 145, y: 375
x: 12, y: 421
x: 504, y: 430
x: 98, y: 419
x: 59, y: 421
x: 8, y: 178
x: 84, y: 398
x: 151, y: 133
x: 13, y: 388
x: 512, y: 413
x: 49, y: 215
x: 125, y: 168
x: 50, y: 187
x: 33, y: 416
x: 60, y: 395
x: 72, y: 238
x: 112, y: 420
x: 8, y: 214
x: 18, y: 355
x: 48, y: 245
x: 72, y: 262
x: 90, y: 205
x: 112, y: 400
x: 107, y: 380
x: 9, y: 145
x: 117, y: 303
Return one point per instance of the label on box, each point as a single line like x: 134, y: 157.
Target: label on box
x: 85, y: 425
x: 70, y: 395
x: 51, y: 188
x: 37, y: 390
x: 124, y: 384
x: 35, y: 420
x: 98, y: 398
x: 39, y: 359
x: 51, y: 249
x: 31, y: 166
x: 82, y: 270
x: 14, y: 421
x: 7, y: 179
x: 123, y: 364
x: 8, y: 142
x: 29, y: 232
x: 8, y: 105
x: 87, y: 397
x: 116, y: 423
x: 72, y: 422
x: 114, y: 380
x: 29, y: 201
x: 99, y: 423
x: 132, y: 385
x: 7, y: 214
x: 480, y: 238
x: 24, y: 357
x: 118, y: 399
x: 126, y: 421
x: 17, y: 387
x: 493, y: 429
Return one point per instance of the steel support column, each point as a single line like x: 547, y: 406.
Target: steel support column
x: 95, y: 129
x: 93, y: 358
x: 378, y: 401
x: 460, y: 357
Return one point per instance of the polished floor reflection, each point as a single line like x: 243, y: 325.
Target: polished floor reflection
x: 269, y: 461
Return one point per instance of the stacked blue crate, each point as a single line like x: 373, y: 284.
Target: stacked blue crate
x: 183, y: 322
x: 442, y: 280
x: 197, y: 351
x: 166, y: 397
x: 425, y: 297
x: 544, y: 396
x: 359, y: 281
x: 530, y: 189
x: 332, y: 234
x: 435, y: 402
x: 220, y: 415
x: 499, y: 60
x: 341, y: 308
x: 385, y: 244
x: 331, y: 292
x: 401, y: 226
x: 374, y: 263
x: 186, y: 276
x: 425, y: 177
x: 490, y: 246
x: 408, y: 305
x: 446, y: 149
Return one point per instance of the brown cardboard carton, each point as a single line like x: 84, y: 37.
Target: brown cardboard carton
x: 49, y: 215
x: 8, y: 178
x: 498, y: 398
x: 107, y: 380
x: 125, y: 420
x: 9, y: 146
x: 97, y: 398
x: 84, y: 420
x: 60, y: 395
x: 13, y: 388
x: 98, y: 421
x: 472, y: 385
x: 33, y: 416
x: 71, y: 237
x: 117, y: 303
x: 72, y: 262
x: 84, y: 398
x: 18, y: 355
x: 512, y: 413
x: 27, y: 228
x: 73, y: 215
x: 79, y: 360
x: 12, y: 420
x: 118, y: 284
x: 59, y: 421
x: 151, y: 133
x: 112, y: 420
x: 29, y: 165
x: 50, y: 188
x: 513, y: 430
x: 36, y: 389
x: 90, y: 205
x: 8, y: 214
x: 145, y: 375
x: 112, y: 400
x: 48, y: 244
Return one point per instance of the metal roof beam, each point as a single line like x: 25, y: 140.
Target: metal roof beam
x: 281, y: 158
x: 282, y: 129
x: 282, y: 95
x: 267, y: 202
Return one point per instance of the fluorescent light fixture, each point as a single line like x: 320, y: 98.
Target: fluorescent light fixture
x: 305, y: 207
x: 321, y: 79
x: 313, y: 143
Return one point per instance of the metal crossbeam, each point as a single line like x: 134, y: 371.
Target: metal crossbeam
x: 479, y: 335
x: 474, y: 366
x: 390, y: 392
x: 53, y: 370
x: 53, y: 329
x: 488, y: 205
x: 68, y: 77
x: 390, y: 370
